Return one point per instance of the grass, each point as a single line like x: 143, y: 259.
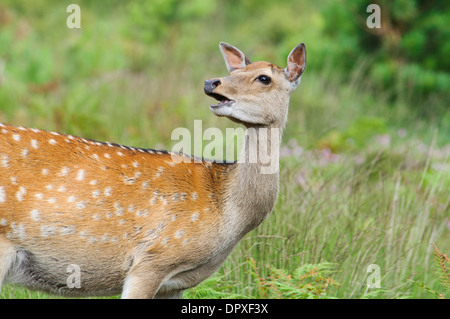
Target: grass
x: 363, y: 180
x: 378, y: 211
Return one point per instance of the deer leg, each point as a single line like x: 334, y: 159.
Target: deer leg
x: 7, y: 255
x: 142, y: 282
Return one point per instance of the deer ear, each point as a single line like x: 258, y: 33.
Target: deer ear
x: 234, y: 58
x: 296, y: 63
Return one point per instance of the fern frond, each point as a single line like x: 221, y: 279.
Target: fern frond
x: 426, y: 288
x: 442, y: 264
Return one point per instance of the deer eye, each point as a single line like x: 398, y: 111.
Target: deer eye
x: 264, y: 79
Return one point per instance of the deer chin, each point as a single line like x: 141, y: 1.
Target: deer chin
x: 222, y: 109
x: 232, y: 113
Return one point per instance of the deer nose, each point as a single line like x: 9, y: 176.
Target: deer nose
x: 210, y: 85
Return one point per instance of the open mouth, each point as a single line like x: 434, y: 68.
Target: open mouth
x: 223, y: 100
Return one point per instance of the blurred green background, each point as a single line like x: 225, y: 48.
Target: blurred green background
x: 368, y: 134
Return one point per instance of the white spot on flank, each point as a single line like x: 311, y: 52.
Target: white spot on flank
x: 47, y: 231
x: 80, y: 174
x: 95, y: 156
x: 5, y: 161
x: 171, y: 164
x: 81, y: 205
x: 39, y: 195
x: 24, y: 152
x: 61, y: 188
x: 96, y: 193
x: 185, y: 242
x: 64, y: 171
x: 145, y: 185
x: 2, y: 195
x: 44, y: 171
x: 142, y: 213
x: 194, y: 196
x: 194, y: 216
x: 3, y: 222
x: 13, y: 180
x: 83, y: 234
x: 19, y: 195
x: 179, y: 234
x: 52, y: 200
x: 106, y: 155
x: 52, y: 141
x: 16, y: 137
x: 120, y: 154
x: 119, y: 209
x: 19, y: 230
x: 129, y: 180
x: 34, y: 144
x: 159, y: 172
x: 49, y: 187
x: 35, y: 215
x: 67, y: 230
x: 93, y: 182
x: 71, y: 199
x: 108, y: 191
x: 135, y: 164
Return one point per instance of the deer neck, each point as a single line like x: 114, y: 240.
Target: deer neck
x: 252, y: 187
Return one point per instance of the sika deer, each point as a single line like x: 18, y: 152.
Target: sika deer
x: 139, y: 221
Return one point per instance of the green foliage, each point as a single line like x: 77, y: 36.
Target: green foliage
x: 160, y: 19
x: 443, y: 272
x: 305, y: 282
x: 356, y: 135
x: 215, y: 287
x: 409, y: 54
